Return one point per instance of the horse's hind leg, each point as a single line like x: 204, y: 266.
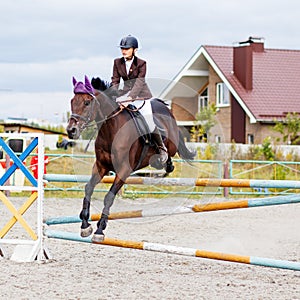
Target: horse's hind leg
x: 86, y: 227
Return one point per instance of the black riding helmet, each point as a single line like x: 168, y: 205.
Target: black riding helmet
x: 129, y: 42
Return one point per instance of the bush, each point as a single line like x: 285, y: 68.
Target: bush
x: 267, y: 149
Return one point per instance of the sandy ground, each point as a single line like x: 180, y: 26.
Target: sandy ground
x: 86, y: 271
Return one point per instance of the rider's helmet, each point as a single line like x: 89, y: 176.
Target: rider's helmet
x: 129, y: 42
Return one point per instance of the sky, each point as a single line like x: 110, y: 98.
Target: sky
x: 43, y: 43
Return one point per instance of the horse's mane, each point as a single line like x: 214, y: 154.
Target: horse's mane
x: 100, y: 84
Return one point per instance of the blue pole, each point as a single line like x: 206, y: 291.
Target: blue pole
x: 252, y: 260
x: 18, y: 162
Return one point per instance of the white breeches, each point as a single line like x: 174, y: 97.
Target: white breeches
x: 144, y: 109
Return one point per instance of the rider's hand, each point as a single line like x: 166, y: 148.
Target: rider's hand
x: 124, y: 99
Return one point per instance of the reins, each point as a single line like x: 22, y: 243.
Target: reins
x: 112, y: 116
x: 88, y: 122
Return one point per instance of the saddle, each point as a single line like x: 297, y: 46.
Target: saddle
x: 140, y: 124
x: 146, y: 136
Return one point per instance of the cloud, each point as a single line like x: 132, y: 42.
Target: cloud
x: 45, y: 43
x: 54, y: 76
x: 42, y: 106
x: 49, y: 31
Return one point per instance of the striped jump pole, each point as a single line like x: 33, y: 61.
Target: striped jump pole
x: 252, y: 260
x: 277, y: 200
x: 210, y: 182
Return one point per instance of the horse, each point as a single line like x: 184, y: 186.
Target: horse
x: 119, y: 146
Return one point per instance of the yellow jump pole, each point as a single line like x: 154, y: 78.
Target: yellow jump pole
x: 163, y: 211
x: 266, y: 262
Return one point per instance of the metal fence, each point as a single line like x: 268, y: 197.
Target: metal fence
x: 268, y: 170
x: 81, y: 164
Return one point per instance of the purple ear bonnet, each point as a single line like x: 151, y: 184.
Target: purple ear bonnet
x: 83, y: 88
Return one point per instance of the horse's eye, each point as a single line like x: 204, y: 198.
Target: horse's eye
x: 86, y: 102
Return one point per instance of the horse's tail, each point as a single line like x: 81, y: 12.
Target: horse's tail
x: 183, y: 151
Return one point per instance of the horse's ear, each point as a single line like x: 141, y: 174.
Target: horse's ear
x: 74, y: 81
x: 88, y: 84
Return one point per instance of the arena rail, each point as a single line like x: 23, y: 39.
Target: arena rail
x: 252, y: 260
x: 256, y: 202
x: 209, y: 182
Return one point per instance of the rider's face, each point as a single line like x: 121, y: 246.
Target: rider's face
x: 127, y: 53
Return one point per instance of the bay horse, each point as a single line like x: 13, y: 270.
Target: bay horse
x: 119, y: 146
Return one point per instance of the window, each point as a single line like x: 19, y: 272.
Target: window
x: 217, y: 139
x: 250, y: 139
x: 203, y: 100
x: 222, y: 94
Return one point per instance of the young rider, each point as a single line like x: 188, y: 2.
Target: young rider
x: 132, y: 70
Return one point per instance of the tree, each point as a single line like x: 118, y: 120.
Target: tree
x: 206, y: 118
x: 289, y: 129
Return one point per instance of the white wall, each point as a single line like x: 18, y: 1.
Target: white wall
x: 225, y: 149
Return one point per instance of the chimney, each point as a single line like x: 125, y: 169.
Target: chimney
x: 243, y: 60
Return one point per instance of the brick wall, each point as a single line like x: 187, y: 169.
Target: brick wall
x: 260, y: 131
x: 223, y: 116
x: 185, y: 108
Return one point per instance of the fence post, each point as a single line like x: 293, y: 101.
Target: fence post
x: 226, y: 176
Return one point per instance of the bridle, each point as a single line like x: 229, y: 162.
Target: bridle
x: 88, y: 119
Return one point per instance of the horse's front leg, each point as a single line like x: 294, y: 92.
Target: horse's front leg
x: 108, y: 202
x: 86, y: 227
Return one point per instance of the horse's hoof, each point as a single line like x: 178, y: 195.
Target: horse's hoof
x: 98, y: 238
x: 169, y: 168
x: 85, y: 232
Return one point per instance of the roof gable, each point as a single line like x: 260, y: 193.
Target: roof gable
x: 275, y: 86
x: 276, y: 81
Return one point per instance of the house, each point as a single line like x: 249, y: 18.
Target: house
x: 251, y: 86
x: 51, y: 136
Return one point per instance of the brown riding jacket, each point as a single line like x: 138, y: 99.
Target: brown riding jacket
x: 134, y: 81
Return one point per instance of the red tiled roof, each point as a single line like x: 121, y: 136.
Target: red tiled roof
x: 276, y: 80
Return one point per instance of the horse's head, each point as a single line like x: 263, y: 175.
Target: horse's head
x: 82, y: 107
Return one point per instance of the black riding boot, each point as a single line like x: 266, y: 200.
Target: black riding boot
x: 163, y: 152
